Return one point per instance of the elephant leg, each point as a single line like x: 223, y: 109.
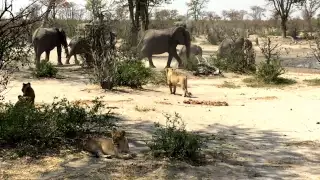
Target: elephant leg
x: 47, y: 55
x: 59, y: 55
x: 169, y: 61
x: 175, y: 55
x: 68, y: 60
x: 89, y: 60
x: 151, y: 65
x: 37, y: 60
x: 76, y: 60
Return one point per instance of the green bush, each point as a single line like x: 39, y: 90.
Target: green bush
x: 270, y: 69
x: 46, y: 70
x: 48, y: 126
x: 174, y: 142
x: 158, y: 78
x: 237, y: 61
x: 132, y: 73
x: 269, y: 72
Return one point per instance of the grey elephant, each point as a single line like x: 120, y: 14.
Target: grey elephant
x: 229, y: 45
x: 80, y: 45
x: 186, y: 24
x: 46, y: 39
x: 164, y: 40
x: 194, y: 50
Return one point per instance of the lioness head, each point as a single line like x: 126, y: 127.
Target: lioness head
x: 117, y: 136
x: 169, y: 71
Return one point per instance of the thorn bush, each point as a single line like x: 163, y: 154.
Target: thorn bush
x: 32, y: 130
x: 46, y: 69
x: 174, y: 142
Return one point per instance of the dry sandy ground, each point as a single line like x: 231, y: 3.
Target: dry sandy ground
x: 264, y: 133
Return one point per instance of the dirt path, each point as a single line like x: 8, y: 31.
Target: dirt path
x: 264, y: 133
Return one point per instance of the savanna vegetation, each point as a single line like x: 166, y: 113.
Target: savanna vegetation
x: 49, y: 129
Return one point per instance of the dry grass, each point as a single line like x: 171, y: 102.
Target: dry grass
x: 264, y: 98
x: 280, y: 82
x: 144, y: 109
x: 312, y: 82
x: 227, y: 84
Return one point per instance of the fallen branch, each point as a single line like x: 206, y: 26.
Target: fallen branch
x: 210, y: 103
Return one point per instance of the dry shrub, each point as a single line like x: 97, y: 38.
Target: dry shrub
x: 270, y: 69
x: 238, y: 61
x: 174, y: 142
x: 14, y: 37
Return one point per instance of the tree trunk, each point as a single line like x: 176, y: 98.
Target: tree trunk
x: 284, y: 27
x: 309, y: 21
x: 146, y: 12
x: 46, y: 17
x: 54, y: 12
x: 135, y: 21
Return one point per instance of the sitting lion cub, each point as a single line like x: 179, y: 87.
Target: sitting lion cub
x: 24, y: 100
x: 174, y: 78
x: 109, y: 147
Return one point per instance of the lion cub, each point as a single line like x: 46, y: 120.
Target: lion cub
x: 28, y: 92
x: 109, y: 147
x: 22, y: 100
x: 174, y: 78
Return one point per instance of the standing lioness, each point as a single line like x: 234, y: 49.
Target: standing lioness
x: 174, y: 78
x: 111, y: 147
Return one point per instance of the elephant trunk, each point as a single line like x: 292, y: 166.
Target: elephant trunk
x: 188, y: 49
x: 187, y: 43
x: 66, y: 50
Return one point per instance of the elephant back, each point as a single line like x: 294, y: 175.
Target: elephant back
x: 225, y: 46
x: 34, y: 35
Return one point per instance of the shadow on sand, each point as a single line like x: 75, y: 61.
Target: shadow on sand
x: 233, y: 153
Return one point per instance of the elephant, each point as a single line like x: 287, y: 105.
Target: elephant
x: 80, y: 45
x: 186, y: 24
x: 164, y: 40
x: 46, y: 39
x: 194, y: 50
x: 228, y: 45
x: 180, y: 23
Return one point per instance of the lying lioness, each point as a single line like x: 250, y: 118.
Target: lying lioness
x: 174, y: 78
x: 109, y: 147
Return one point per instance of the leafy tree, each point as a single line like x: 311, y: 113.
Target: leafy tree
x: 283, y: 8
x: 162, y: 15
x: 14, y: 30
x: 257, y: 12
x: 196, y: 7
x: 233, y: 14
x: 96, y: 7
x: 309, y: 9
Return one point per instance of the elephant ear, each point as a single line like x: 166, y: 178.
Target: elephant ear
x: 175, y: 33
x: 61, y: 30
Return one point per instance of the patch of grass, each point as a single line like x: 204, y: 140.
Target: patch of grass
x: 227, y: 84
x: 143, y: 109
x: 277, y: 82
x: 312, y: 82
